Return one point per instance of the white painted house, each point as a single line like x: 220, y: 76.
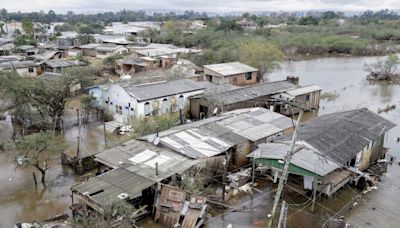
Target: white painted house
x: 124, y: 100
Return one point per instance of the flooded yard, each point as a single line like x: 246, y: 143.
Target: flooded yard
x: 21, y: 201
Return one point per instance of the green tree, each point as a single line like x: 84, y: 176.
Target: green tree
x: 46, y: 97
x: 262, y: 55
x: 308, y: 20
x: 36, y: 149
x: 117, y: 214
x: 385, y: 69
x: 27, y: 25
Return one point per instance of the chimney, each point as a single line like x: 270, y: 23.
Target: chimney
x: 293, y: 79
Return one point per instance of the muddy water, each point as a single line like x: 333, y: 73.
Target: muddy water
x: 345, y: 76
x: 20, y: 200
x: 378, y: 208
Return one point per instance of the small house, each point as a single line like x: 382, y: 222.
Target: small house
x: 6, y: 46
x: 331, y: 150
x: 48, y: 55
x: 129, y: 66
x: 24, y: 68
x: 150, y: 63
x: 236, y: 133
x: 124, y: 100
x: 89, y: 49
x: 135, y: 167
x: 307, y: 96
x: 27, y: 50
x: 247, y: 24
x: 106, y: 50
x: 58, y: 66
x: 234, y: 73
x: 220, y: 98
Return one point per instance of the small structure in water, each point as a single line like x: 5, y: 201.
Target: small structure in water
x: 331, y: 150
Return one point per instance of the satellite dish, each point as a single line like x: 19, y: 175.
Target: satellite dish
x: 215, y: 110
x: 156, y: 141
x: 151, y: 138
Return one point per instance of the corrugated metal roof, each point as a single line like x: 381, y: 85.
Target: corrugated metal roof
x: 17, y: 64
x: 162, y: 89
x: 216, y: 135
x: 89, y: 46
x: 257, y: 124
x: 46, y: 55
x: 154, y: 50
x: 303, y: 158
x: 254, y: 91
x: 303, y: 90
x: 109, y: 47
x: 196, y: 143
x: 64, y: 63
x: 139, y: 157
x: 105, y: 188
x: 232, y: 68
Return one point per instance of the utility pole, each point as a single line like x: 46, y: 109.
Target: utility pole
x: 256, y: 155
x: 314, y: 193
x: 282, y: 214
x: 104, y: 130
x: 285, y: 168
x: 78, y: 151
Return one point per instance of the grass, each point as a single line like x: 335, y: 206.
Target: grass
x: 329, y: 96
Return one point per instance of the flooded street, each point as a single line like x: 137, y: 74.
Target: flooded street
x: 21, y: 201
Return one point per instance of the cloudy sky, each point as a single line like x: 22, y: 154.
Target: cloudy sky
x: 88, y: 6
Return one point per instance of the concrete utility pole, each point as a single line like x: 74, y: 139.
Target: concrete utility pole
x: 282, y: 214
x: 285, y: 168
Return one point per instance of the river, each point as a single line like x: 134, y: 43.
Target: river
x: 20, y: 201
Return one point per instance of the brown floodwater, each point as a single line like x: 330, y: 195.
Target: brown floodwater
x: 378, y: 208
x: 21, y: 201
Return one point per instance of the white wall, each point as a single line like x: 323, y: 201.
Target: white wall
x: 118, y: 96
x: 172, y: 107
x: 25, y: 72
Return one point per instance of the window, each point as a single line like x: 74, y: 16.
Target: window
x: 181, y: 102
x: 248, y: 76
x: 147, y: 109
x: 164, y: 106
x: 30, y: 69
x: 118, y: 109
x: 307, y: 97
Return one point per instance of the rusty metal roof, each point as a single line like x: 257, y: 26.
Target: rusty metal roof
x: 105, y: 188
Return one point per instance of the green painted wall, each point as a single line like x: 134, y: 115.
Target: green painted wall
x: 292, y: 168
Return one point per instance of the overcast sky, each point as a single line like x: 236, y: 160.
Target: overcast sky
x: 88, y: 6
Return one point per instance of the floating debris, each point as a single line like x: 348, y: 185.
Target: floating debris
x: 387, y: 108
